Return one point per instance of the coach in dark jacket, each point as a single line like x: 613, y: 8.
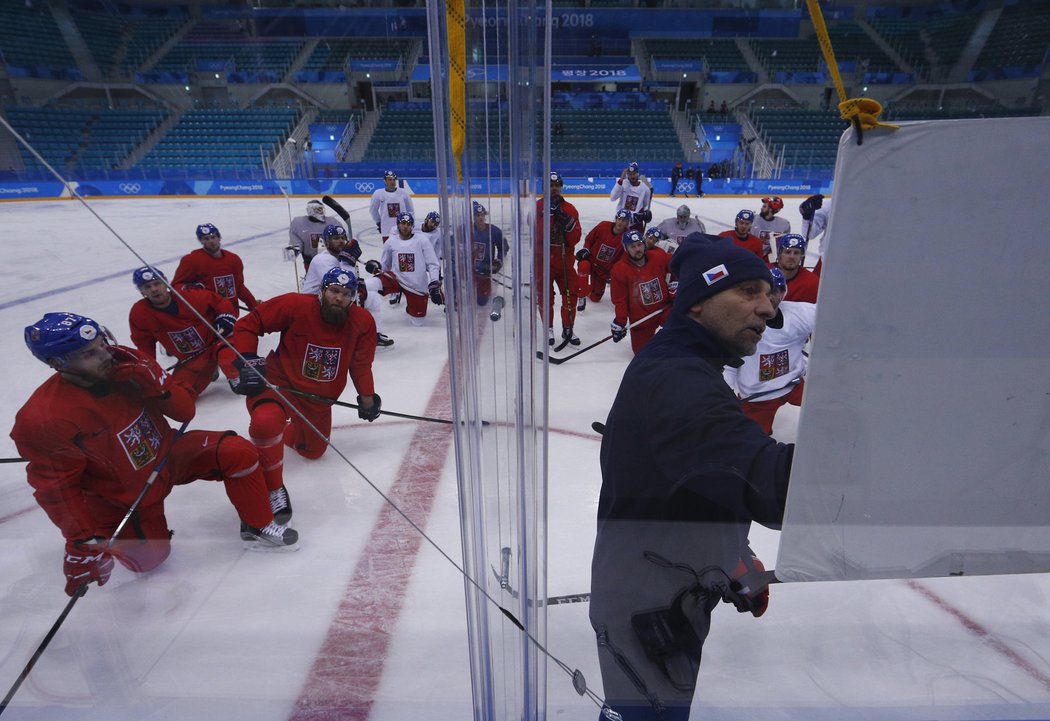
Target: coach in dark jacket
x: 684, y: 472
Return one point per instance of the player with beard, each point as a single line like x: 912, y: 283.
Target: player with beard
x: 741, y: 233
x: 802, y: 282
x: 768, y: 227
x: 307, y: 231
x: 324, y: 338
x: 638, y: 287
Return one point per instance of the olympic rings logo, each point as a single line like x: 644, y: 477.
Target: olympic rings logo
x: 130, y: 188
x: 365, y: 187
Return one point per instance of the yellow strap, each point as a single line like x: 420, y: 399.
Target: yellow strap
x: 456, y: 23
x: 865, y: 110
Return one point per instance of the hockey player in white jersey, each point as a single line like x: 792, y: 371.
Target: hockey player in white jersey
x: 776, y: 373
x: 683, y: 224
x: 408, y: 264
x: 429, y: 229
x: 815, y: 215
x: 306, y: 231
x: 339, y: 250
x: 768, y: 227
x: 387, y: 203
x: 632, y: 192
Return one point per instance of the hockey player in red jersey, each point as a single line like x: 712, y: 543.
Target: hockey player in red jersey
x: 162, y: 318
x: 741, y: 233
x: 214, y: 269
x: 639, y: 286
x: 602, y: 247
x: 96, y: 431
x: 565, y: 233
x: 803, y: 283
x: 324, y: 338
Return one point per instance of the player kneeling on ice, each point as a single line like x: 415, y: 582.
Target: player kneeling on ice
x: 160, y: 317
x: 96, y: 434
x: 639, y: 286
x: 409, y: 265
x: 324, y: 338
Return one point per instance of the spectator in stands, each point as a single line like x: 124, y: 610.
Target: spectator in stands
x: 723, y: 109
x: 711, y: 108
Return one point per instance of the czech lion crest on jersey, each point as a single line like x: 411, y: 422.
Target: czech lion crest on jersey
x: 406, y: 262
x: 773, y: 365
x: 321, y: 363
x: 187, y: 340
x: 605, y: 253
x: 225, y: 286
x: 651, y: 292
x: 141, y: 441
x: 392, y: 209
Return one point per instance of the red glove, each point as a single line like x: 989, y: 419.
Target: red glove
x: 362, y: 294
x: 139, y: 371
x: 86, y: 561
x: 753, y: 593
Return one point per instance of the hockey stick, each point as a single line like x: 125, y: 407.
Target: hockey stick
x: 82, y: 589
x: 14, y: 460
x: 759, y: 578
x: 382, y: 412
x: 559, y: 361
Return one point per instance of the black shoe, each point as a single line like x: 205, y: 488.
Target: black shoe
x: 572, y: 337
x: 383, y: 341
x: 395, y: 299
x: 581, y: 304
x: 271, y: 538
x: 550, y: 336
x: 281, y: 505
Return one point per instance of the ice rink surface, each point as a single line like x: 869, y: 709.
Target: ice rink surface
x: 366, y: 620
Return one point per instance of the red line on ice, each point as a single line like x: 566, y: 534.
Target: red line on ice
x: 983, y: 633
x: 346, y: 673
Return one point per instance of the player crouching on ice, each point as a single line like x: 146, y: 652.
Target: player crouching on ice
x: 96, y: 435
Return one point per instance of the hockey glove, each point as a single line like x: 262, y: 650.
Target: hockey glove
x: 86, y: 561
x: 747, y: 591
x: 139, y: 371
x: 437, y: 296
x: 619, y: 331
x: 810, y: 206
x: 224, y: 323
x: 362, y: 294
x: 583, y: 254
x: 351, y: 253
x: 373, y: 267
x: 251, y: 375
x: 369, y: 414
x: 379, y: 226
x: 644, y: 215
x: 496, y: 265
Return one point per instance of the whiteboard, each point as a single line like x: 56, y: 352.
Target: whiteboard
x: 924, y: 436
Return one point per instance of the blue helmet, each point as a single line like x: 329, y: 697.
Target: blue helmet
x: 405, y: 217
x: 655, y: 232
x: 633, y: 168
x: 556, y: 178
x: 479, y: 209
x: 340, y: 276
x: 631, y: 237
x: 146, y: 274
x: 433, y: 217
x: 791, y: 240
x: 390, y: 174
x: 207, y: 229
x: 779, y: 281
x: 623, y: 214
x: 56, y: 335
x: 745, y: 214
x: 333, y: 231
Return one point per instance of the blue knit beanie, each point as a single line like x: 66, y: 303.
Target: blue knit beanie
x: 708, y: 264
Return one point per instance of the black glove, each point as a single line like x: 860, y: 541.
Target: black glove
x: 350, y: 254
x: 619, y: 332
x: 379, y: 226
x: 583, y: 254
x: 369, y: 414
x: 251, y: 375
x: 224, y: 323
x: 437, y: 296
x: 810, y: 205
x: 496, y: 265
x: 373, y: 267
x: 644, y: 215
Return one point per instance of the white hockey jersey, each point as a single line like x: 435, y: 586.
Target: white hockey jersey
x: 767, y: 231
x: 412, y: 262
x: 676, y: 233
x: 779, y: 361
x: 634, y: 198
x: 386, y: 205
